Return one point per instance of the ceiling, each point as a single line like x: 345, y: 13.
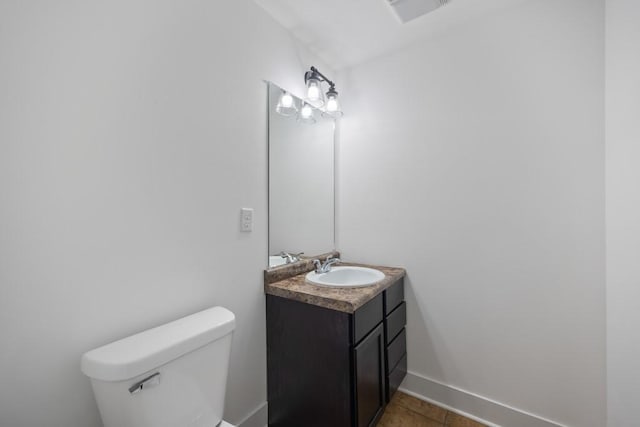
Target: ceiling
x: 344, y: 33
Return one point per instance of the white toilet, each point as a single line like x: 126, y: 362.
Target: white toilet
x: 174, y: 375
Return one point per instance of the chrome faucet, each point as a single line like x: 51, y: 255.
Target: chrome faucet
x: 290, y: 258
x: 326, y: 266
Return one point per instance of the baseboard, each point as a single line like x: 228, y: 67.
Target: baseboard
x: 257, y: 418
x: 470, y: 405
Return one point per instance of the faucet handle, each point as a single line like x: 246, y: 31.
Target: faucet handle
x: 289, y: 257
x: 325, y: 267
x: 286, y: 256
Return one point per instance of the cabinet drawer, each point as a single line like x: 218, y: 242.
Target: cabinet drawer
x: 395, y: 377
x: 366, y: 318
x: 395, y: 322
x: 393, y: 296
x: 396, y: 350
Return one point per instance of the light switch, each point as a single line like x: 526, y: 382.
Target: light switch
x: 246, y: 219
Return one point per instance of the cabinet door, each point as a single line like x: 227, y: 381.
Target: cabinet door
x: 369, y: 378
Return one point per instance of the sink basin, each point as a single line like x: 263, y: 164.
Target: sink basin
x: 346, y: 277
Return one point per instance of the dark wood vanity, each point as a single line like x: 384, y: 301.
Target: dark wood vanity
x: 334, y: 356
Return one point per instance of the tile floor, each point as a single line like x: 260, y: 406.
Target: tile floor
x: 407, y: 411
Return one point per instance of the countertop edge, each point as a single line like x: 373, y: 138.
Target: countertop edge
x: 289, y: 288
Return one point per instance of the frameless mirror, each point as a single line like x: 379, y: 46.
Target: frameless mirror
x: 301, y: 179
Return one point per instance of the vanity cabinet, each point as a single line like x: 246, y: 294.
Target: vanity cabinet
x: 327, y: 367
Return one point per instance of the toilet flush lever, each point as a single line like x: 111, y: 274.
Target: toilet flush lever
x: 149, y: 382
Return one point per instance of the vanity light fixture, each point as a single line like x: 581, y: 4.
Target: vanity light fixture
x: 315, y: 97
x: 286, y: 104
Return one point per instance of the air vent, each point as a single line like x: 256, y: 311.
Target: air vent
x: 407, y: 10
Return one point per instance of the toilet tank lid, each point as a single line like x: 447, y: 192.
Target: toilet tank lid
x: 137, y: 354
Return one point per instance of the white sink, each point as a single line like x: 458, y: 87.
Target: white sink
x: 346, y: 277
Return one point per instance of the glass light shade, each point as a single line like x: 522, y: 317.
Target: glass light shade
x: 306, y: 114
x: 332, y: 107
x: 314, y: 93
x: 286, y: 105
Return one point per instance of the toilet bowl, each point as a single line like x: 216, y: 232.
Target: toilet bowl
x: 174, y: 375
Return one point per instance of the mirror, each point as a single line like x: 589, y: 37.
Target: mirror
x: 301, y: 182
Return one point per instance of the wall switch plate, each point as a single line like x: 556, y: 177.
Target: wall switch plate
x: 246, y: 220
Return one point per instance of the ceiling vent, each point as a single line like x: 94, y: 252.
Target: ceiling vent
x: 407, y: 10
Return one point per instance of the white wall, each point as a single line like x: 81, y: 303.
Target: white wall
x: 476, y: 160
x: 623, y: 211
x: 131, y: 134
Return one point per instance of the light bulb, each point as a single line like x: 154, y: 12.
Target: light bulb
x: 286, y: 100
x: 286, y: 104
x: 306, y: 115
x: 332, y: 105
x: 315, y: 96
x: 306, y: 112
x: 313, y: 92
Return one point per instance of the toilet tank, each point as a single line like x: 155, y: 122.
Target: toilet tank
x: 174, y: 375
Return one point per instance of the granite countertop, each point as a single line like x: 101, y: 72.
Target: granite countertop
x: 347, y: 300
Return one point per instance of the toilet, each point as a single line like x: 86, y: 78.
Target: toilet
x: 174, y: 375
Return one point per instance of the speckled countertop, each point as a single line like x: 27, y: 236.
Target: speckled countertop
x: 341, y: 299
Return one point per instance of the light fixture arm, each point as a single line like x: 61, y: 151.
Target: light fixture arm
x: 316, y: 74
